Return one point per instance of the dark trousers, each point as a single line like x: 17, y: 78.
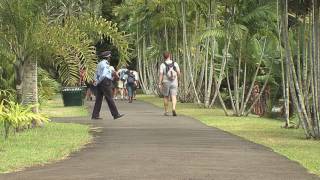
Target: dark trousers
x: 104, y: 89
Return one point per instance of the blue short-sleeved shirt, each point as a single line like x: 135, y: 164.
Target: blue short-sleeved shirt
x: 104, y: 70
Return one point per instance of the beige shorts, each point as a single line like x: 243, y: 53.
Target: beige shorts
x: 120, y: 84
x: 170, y: 89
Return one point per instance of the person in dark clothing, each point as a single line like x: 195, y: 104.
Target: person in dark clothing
x: 103, y: 82
x: 131, y: 84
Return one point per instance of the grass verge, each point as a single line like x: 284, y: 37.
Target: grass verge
x: 55, y: 141
x: 55, y: 108
x: 268, y: 132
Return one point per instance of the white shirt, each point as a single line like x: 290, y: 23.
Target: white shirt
x: 163, y: 70
x: 136, y: 75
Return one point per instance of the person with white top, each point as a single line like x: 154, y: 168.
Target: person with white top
x: 168, y: 82
x: 121, y: 83
x: 136, y: 74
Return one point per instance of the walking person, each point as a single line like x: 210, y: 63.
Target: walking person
x: 114, y: 83
x: 103, y: 81
x: 131, y: 84
x: 168, y: 82
x: 122, y: 78
x: 136, y: 74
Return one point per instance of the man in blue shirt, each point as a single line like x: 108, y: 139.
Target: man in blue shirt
x: 103, y: 81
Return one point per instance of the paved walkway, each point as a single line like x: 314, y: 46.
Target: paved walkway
x: 146, y: 145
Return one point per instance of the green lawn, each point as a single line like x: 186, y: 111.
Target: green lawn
x: 268, y: 132
x: 55, y: 108
x: 53, y: 142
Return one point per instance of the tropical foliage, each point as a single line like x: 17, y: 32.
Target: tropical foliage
x: 56, y: 35
x: 16, y: 116
x: 213, y: 41
x: 244, y: 54
x: 52, y: 34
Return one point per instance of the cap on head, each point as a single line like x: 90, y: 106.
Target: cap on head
x: 105, y: 54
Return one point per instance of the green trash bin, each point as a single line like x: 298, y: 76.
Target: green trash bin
x: 72, y: 96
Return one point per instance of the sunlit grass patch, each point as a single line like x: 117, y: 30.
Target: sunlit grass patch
x: 38, y: 146
x: 55, y: 108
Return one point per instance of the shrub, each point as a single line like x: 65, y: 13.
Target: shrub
x: 17, y: 116
x: 48, y: 86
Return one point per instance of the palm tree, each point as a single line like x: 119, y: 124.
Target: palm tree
x: 18, y: 30
x: 25, y: 32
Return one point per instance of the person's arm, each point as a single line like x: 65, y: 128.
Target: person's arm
x: 137, y: 79
x: 115, y: 74
x: 178, y: 69
x: 96, y: 77
x: 160, y: 76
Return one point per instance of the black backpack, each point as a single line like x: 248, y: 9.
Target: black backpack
x: 131, y: 78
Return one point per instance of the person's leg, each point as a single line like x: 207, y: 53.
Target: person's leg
x: 107, y: 91
x: 121, y: 93
x: 114, y: 92
x: 94, y: 90
x: 166, y: 104
x: 124, y: 90
x: 129, y: 87
x: 166, y: 93
x: 98, y: 103
x: 88, y: 94
x: 134, y: 92
x: 173, y: 93
x: 174, y: 102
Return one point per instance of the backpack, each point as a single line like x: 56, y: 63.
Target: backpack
x: 171, y: 71
x: 131, y: 78
x: 122, y: 75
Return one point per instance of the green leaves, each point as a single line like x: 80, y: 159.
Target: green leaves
x: 213, y: 33
x: 14, y: 115
x: 98, y: 28
x: 71, y: 45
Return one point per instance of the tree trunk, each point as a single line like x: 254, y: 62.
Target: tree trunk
x: 19, y: 78
x: 296, y: 96
x: 30, y: 84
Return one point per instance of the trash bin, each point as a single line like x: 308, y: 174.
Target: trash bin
x: 72, y: 96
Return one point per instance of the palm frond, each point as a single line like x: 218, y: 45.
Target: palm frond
x: 213, y: 33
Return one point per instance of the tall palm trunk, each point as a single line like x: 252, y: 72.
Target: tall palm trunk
x: 30, y: 84
x: 19, y: 78
x: 284, y: 73
x: 139, y: 57
x: 222, y: 71
x: 296, y: 96
x: 316, y: 66
x: 184, y: 64
x: 209, y: 77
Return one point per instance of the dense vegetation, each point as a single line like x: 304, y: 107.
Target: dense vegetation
x: 243, y: 55
x: 46, y: 44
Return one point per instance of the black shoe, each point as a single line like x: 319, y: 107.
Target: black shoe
x: 174, y: 113
x: 118, y: 116
x: 96, y: 118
